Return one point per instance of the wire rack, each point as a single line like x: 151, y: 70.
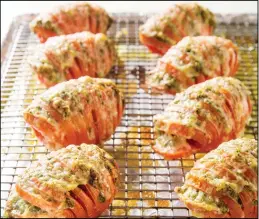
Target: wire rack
x: 147, y: 181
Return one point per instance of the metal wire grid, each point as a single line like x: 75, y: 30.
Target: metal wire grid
x: 147, y: 181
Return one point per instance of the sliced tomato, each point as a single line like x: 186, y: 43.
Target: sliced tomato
x: 154, y: 44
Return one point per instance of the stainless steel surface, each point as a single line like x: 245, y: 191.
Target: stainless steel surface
x: 147, y: 181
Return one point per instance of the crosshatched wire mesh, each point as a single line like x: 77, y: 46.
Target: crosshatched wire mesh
x: 147, y: 181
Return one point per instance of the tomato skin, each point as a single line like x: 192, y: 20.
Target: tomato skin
x: 86, y: 183
x: 71, y: 18
x: 202, y: 117
x: 84, y: 110
x: 192, y: 60
x: 234, y: 165
x: 162, y: 31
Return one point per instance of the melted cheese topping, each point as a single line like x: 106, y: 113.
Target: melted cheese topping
x: 201, y: 200
x: 82, y: 10
x: 170, y: 143
x: 53, y: 60
x: 191, y: 17
x: 64, y: 170
x: 188, y: 109
x: 67, y: 98
x: 16, y: 207
x: 191, y: 58
x: 224, y: 169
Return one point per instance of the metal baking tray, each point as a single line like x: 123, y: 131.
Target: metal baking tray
x: 147, y: 181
